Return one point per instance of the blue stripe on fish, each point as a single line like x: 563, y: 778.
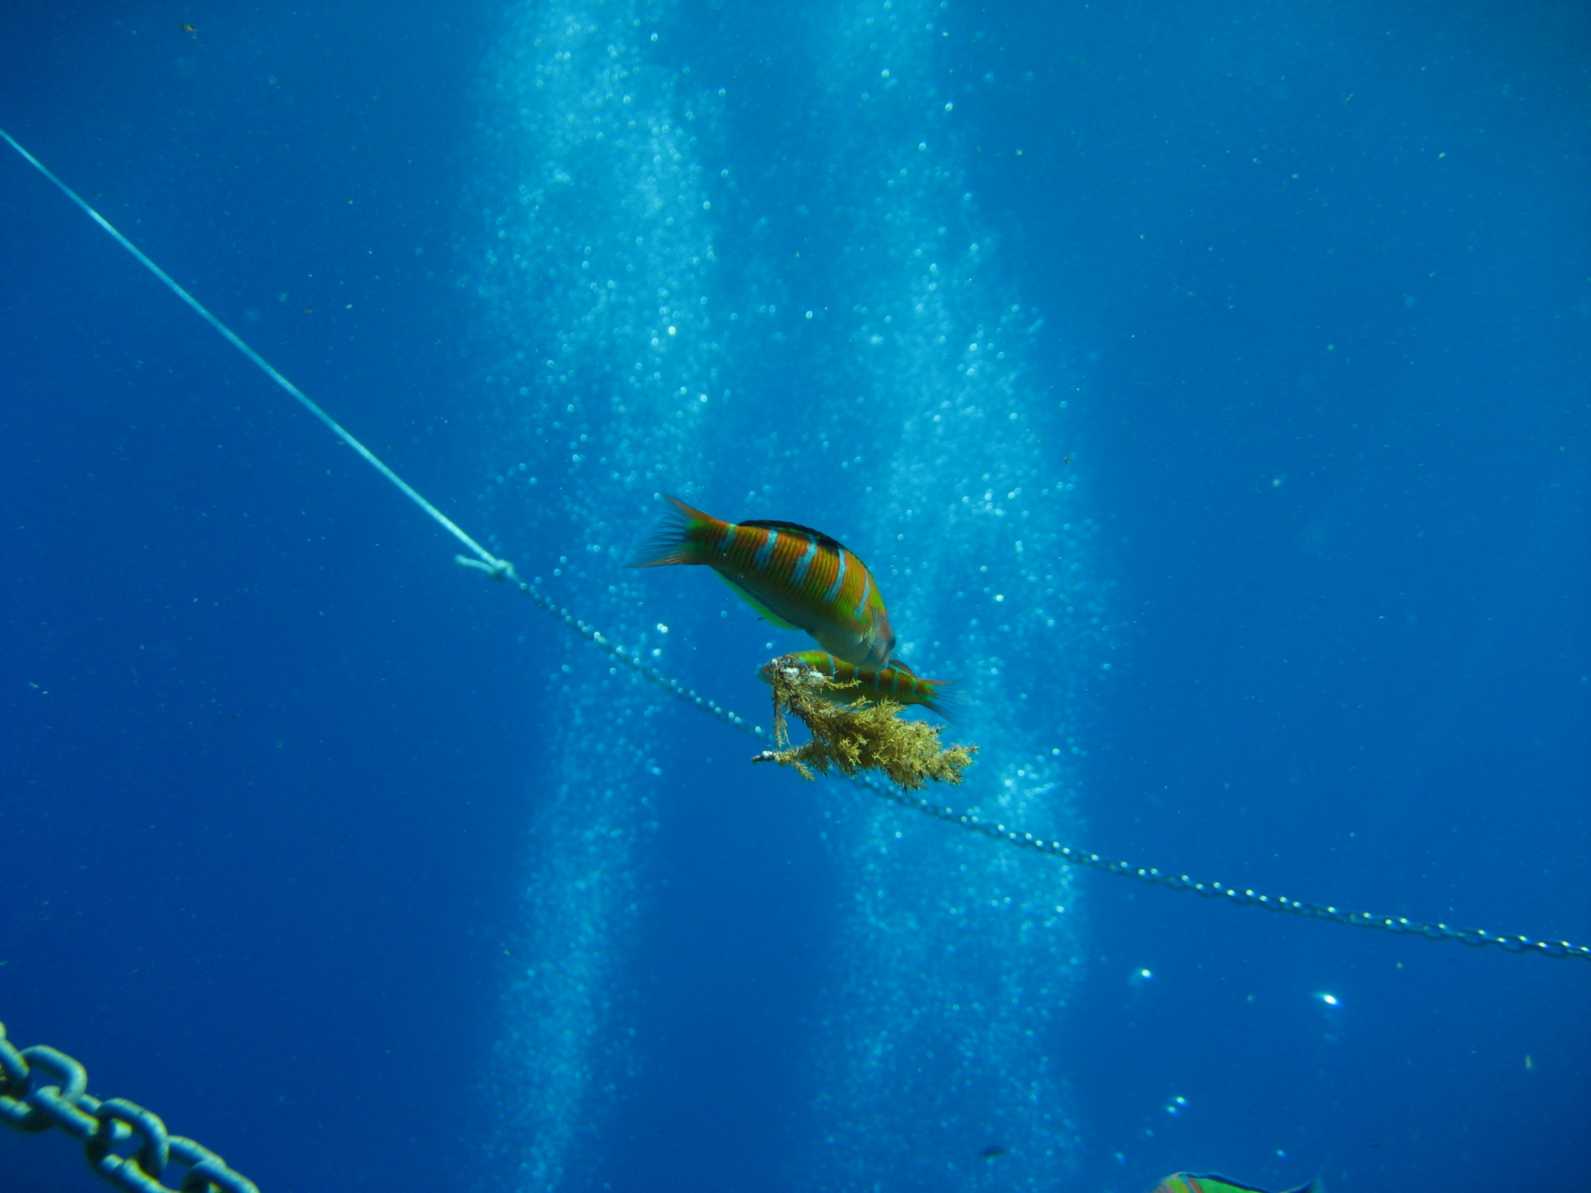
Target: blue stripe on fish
x: 839, y: 577
x: 729, y: 539
x: 765, y: 552
x: 867, y: 589
x: 800, y: 574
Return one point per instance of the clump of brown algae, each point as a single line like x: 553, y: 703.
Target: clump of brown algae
x: 853, y: 735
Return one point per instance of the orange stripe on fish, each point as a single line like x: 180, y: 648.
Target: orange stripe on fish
x: 792, y: 575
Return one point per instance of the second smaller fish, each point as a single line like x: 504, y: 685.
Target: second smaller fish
x: 894, y: 681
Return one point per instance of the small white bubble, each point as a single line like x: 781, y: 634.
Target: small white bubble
x: 662, y: 628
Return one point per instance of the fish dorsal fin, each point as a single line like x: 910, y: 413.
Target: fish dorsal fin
x: 816, y: 536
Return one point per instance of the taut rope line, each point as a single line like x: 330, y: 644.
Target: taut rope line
x: 481, y: 559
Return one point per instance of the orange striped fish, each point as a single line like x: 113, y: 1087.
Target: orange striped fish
x: 794, y: 576
x: 894, y: 681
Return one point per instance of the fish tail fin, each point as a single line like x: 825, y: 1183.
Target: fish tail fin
x: 946, y: 704
x: 677, y: 539
x: 931, y: 693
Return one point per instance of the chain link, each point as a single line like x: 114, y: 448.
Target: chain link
x: 128, y: 1146
x: 1236, y: 896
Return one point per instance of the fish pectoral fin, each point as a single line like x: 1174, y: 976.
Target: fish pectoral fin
x: 762, y: 610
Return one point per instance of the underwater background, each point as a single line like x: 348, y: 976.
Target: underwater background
x: 1208, y: 389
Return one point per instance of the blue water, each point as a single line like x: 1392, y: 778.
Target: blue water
x: 1208, y: 393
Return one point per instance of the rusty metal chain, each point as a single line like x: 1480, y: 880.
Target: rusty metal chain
x: 128, y: 1146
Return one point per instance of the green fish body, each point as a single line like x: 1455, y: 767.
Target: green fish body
x: 894, y: 681
x: 794, y: 576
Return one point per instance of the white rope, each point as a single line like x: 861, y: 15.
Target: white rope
x: 265, y: 366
